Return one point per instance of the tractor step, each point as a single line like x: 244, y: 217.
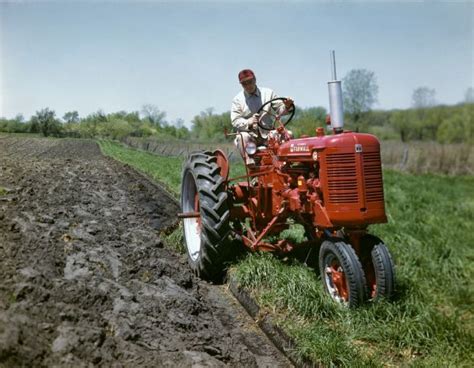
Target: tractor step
x: 189, y: 215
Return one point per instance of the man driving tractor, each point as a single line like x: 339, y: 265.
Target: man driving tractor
x: 330, y: 184
x: 245, y: 117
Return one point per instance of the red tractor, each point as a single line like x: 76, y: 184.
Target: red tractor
x: 330, y: 184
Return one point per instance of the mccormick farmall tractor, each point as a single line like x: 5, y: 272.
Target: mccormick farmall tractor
x: 330, y: 184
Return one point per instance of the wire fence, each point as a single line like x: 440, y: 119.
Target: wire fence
x: 180, y: 148
x: 429, y: 157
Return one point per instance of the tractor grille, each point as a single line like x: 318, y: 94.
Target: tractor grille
x: 373, y: 177
x: 342, y: 178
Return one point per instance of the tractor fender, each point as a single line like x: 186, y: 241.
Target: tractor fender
x: 222, y: 162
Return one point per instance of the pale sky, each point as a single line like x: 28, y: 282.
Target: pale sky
x: 184, y: 56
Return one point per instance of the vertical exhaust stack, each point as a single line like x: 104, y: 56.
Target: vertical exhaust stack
x: 335, y: 98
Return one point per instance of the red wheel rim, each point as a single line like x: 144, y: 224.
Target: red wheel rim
x: 371, y: 279
x: 369, y: 274
x: 336, y: 282
x: 339, y: 280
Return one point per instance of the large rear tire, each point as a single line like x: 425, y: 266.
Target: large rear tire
x: 207, y: 237
x: 342, y: 274
x: 378, y: 266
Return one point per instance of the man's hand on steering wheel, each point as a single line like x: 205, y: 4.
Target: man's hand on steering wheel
x: 288, y: 103
x: 290, y: 109
x: 253, y: 121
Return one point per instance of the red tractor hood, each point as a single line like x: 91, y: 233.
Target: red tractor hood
x: 347, y: 142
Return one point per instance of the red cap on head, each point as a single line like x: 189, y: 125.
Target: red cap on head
x: 246, y: 74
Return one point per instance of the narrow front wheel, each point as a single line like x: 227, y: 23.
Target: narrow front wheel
x: 378, y: 266
x: 342, y: 274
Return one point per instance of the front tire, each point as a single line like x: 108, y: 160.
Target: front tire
x: 342, y: 274
x: 208, y: 237
x: 379, y: 269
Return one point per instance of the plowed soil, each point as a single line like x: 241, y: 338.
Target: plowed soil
x: 85, y: 279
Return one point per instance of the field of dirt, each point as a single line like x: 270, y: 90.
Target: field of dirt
x: 85, y: 279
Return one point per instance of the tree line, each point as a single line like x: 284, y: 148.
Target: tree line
x: 444, y: 124
x: 424, y: 121
x: 117, y: 125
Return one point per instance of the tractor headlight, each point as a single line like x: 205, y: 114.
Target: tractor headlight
x: 251, y: 148
x: 315, y: 155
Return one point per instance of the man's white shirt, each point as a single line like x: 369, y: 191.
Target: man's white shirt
x: 244, y: 105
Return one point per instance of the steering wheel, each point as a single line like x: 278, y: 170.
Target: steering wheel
x: 275, y: 117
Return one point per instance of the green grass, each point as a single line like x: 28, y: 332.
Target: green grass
x: 430, y: 322
x: 431, y: 237
x: 166, y: 170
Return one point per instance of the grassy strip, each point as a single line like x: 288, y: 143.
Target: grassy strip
x: 430, y: 322
x: 166, y: 170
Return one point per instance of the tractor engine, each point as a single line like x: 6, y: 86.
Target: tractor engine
x: 332, y: 181
x: 340, y: 175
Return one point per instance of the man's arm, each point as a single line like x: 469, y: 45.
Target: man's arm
x: 281, y: 107
x: 239, y: 122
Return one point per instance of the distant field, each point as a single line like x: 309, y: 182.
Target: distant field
x: 431, y: 236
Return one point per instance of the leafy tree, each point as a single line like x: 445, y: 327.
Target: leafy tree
x: 425, y: 124
x: 114, y: 128
x: 423, y: 97
x: 432, y: 120
x: 210, y: 126
x: 98, y: 117
x: 401, y: 123
x: 132, y: 117
x: 307, y: 120
x: 154, y: 114
x: 145, y: 129
x: 458, y: 126
x: 360, y: 91
x: 469, y: 95
x: 71, y: 117
x: 34, y: 125
x: 46, y: 122
x: 181, y: 131
x: 15, y: 125
x: 19, y: 118
x: 179, y: 123
x: 89, y: 126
